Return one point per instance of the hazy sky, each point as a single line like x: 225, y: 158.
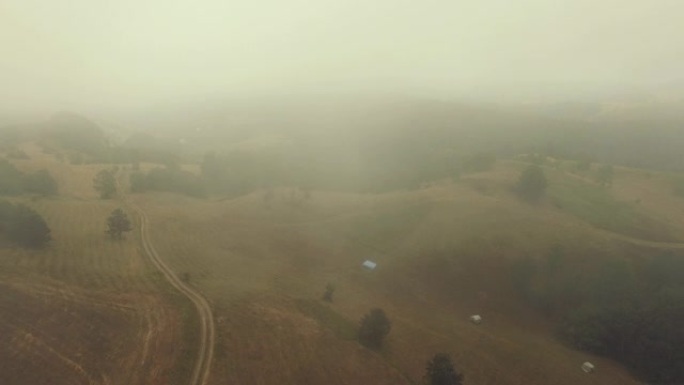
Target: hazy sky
x: 127, y: 52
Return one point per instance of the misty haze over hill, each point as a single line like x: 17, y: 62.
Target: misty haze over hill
x: 92, y: 57
x: 495, y: 184
x: 600, y: 80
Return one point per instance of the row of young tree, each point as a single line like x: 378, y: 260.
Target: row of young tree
x: 630, y: 311
x: 15, y: 182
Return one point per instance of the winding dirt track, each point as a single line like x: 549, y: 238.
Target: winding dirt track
x: 200, y: 373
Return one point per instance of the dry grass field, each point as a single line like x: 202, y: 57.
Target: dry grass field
x: 441, y: 251
x: 86, y: 310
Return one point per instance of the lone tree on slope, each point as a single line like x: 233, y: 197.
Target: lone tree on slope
x: 117, y: 224
x: 532, y: 183
x: 440, y: 371
x: 374, y: 328
x: 329, y: 291
x: 105, y: 184
x: 23, y: 225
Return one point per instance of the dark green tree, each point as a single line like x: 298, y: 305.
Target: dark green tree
x: 440, y: 371
x: 532, y: 183
x: 40, y: 182
x: 25, y: 226
x: 105, y: 184
x: 329, y: 291
x: 374, y: 328
x: 118, y: 223
x: 138, y: 182
x: 11, y: 179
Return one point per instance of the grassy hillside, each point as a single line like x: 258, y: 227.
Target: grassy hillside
x: 89, y: 310
x: 85, y: 310
x: 444, y: 252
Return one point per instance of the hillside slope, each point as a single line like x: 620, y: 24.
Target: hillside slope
x: 444, y: 252
x: 85, y: 310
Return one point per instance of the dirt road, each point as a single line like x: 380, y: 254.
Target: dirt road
x: 200, y: 374
x: 206, y: 341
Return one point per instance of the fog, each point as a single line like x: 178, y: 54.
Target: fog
x: 86, y: 54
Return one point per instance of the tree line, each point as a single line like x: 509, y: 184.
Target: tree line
x: 15, y: 182
x: 630, y: 311
x: 170, y: 179
x: 241, y: 172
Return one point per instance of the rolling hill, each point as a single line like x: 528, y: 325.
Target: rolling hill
x: 89, y: 310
